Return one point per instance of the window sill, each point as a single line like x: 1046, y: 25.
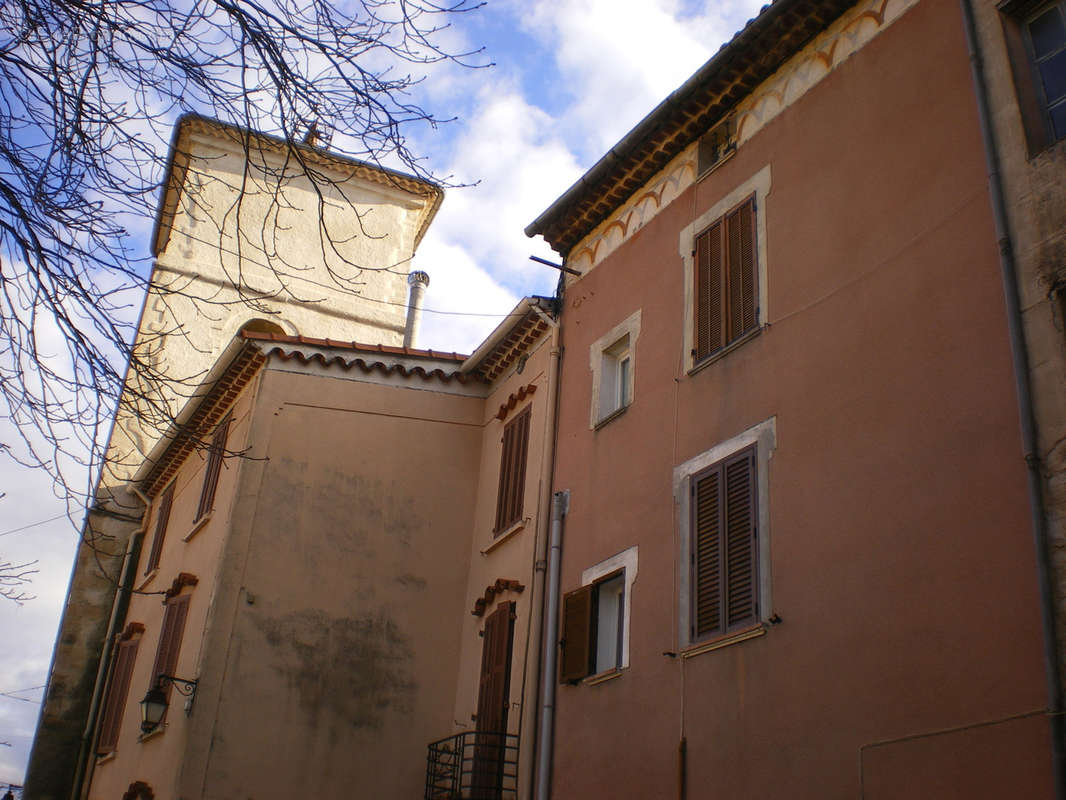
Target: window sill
x: 197, y: 526
x: 103, y: 758
x: 602, y: 677
x: 611, y: 417
x: 504, y: 535
x: 159, y: 730
x: 148, y: 579
x: 729, y: 348
x: 725, y: 641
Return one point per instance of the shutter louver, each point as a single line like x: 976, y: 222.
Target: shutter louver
x: 511, y: 493
x: 166, y: 657
x: 725, y: 281
x: 161, y: 522
x: 117, y: 692
x: 576, y: 660
x: 215, y: 453
x: 725, y: 576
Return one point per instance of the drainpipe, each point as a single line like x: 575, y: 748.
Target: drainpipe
x: 560, y: 505
x: 1020, y: 357
x: 86, y: 762
x: 543, y: 521
x: 417, y: 281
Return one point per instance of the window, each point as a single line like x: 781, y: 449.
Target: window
x: 723, y: 256
x: 716, y: 145
x: 611, y: 361
x: 162, y: 519
x: 595, y: 625
x: 215, y: 453
x: 166, y: 657
x: 512, y: 472
x: 725, y: 537
x: 1045, y: 34
x: 726, y: 296
x: 119, y: 688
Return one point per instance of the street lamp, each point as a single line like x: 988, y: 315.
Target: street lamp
x: 155, y: 703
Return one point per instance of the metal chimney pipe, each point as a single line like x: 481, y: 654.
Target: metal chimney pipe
x: 418, y: 281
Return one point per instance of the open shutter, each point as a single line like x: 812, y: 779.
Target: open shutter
x: 161, y: 521
x: 576, y: 660
x: 709, y: 291
x: 117, y: 692
x: 166, y: 657
x: 214, y: 467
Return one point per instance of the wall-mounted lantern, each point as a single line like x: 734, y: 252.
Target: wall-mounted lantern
x: 155, y: 703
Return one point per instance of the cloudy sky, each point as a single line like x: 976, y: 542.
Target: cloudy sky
x: 571, y: 77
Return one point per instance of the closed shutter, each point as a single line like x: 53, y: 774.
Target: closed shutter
x: 724, y: 546
x: 576, y: 660
x: 166, y: 657
x: 117, y: 692
x: 511, y: 492
x: 494, y: 693
x: 161, y: 521
x: 215, y: 453
x: 725, y: 281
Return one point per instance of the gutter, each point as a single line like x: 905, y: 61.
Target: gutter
x: 1020, y: 359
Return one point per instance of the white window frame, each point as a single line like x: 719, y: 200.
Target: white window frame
x: 626, y: 561
x: 764, y: 437
x: 759, y: 185
x: 611, y: 395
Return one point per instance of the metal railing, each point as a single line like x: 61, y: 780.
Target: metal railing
x: 473, y: 765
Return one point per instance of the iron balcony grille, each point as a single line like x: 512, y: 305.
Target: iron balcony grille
x: 473, y: 765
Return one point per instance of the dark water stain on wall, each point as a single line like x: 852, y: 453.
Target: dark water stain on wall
x: 357, y: 668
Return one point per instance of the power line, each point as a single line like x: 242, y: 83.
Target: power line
x: 32, y: 525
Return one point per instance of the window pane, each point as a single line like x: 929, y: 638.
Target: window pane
x: 1053, y: 74
x: 1058, y: 121
x: 1047, y: 32
x: 609, y: 623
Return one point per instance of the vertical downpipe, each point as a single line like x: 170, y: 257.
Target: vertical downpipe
x: 1020, y: 358
x: 560, y: 505
x: 417, y: 281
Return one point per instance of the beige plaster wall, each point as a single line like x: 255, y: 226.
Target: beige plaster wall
x: 193, y: 549
x: 252, y: 238
x: 331, y: 661
x: 1035, y: 188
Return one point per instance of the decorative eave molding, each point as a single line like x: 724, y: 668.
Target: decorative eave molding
x: 514, y: 399
x: 184, y: 579
x: 139, y: 790
x: 492, y: 590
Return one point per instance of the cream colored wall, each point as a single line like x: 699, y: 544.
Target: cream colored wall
x: 187, y: 548
x: 333, y: 655
x: 1035, y: 195
x: 329, y: 262
x: 511, y: 556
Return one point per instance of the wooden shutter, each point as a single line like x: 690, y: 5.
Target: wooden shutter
x: 511, y: 493
x: 166, y: 657
x: 725, y: 281
x: 162, y: 519
x: 725, y: 580
x: 215, y: 453
x: 117, y: 692
x: 494, y: 690
x: 577, y: 642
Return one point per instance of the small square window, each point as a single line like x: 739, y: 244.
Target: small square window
x: 611, y: 359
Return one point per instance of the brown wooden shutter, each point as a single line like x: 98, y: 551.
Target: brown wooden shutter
x: 725, y: 580
x: 215, y: 453
x: 494, y: 691
x: 117, y: 692
x: 166, y: 657
x: 161, y: 521
x: 577, y: 652
x: 709, y: 291
x: 511, y: 493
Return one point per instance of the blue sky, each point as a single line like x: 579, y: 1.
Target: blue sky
x: 571, y: 77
